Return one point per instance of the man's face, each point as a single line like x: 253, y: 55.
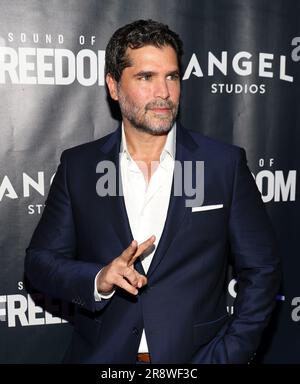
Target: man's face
x: 149, y: 90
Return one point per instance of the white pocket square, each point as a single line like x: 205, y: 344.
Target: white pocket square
x: 207, y: 207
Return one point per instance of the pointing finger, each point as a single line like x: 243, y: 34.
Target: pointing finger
x: 130, y: 251
x: 141, y: 249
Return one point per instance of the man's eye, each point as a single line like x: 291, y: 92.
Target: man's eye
x: 145, y: 77
x: 175, y: 76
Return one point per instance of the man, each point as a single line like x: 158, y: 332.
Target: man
x: 146, y: 270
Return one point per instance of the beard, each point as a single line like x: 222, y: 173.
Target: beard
x: 144, y: 118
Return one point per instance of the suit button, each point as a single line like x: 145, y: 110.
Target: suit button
x: 135, y: 331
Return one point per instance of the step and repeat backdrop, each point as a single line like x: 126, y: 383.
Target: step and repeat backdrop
x: 240, y: 84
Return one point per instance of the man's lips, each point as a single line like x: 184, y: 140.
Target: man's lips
x: 160, y: 110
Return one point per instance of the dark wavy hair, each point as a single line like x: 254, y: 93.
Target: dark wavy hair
x: 137, y: 35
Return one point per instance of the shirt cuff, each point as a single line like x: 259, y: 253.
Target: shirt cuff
x: 99, y: 296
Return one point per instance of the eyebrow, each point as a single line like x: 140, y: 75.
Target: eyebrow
x: 175, y: 72
x: 150, y: 73
x: 144, y: 73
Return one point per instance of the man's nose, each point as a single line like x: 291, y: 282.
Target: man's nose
x: 161, y: 89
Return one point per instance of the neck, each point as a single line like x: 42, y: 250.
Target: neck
x: 143, y: 146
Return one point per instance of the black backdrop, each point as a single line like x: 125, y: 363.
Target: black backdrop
x: 240, y: 84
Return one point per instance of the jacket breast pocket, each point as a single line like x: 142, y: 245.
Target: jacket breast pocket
x: 203, y: 333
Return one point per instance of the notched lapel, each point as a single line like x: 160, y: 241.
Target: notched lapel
x: 117, y: 208
x: 177, y: 210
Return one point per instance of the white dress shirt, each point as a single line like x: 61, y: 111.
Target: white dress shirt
x: 146, y: 203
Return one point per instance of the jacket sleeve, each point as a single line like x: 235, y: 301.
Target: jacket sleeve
x: 51, y: 263
x: 257, y: 269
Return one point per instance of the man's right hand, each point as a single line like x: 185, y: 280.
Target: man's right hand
x: 121, y: 273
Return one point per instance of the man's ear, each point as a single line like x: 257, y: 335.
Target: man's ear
x: 112, y: 86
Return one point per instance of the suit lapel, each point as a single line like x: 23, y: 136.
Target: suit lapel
x: 118, y: 218
x: 185, y: 145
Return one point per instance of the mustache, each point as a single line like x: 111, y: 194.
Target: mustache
x: 160, y: 104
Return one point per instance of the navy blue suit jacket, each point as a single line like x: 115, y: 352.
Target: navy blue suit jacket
x: 183, y: 307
